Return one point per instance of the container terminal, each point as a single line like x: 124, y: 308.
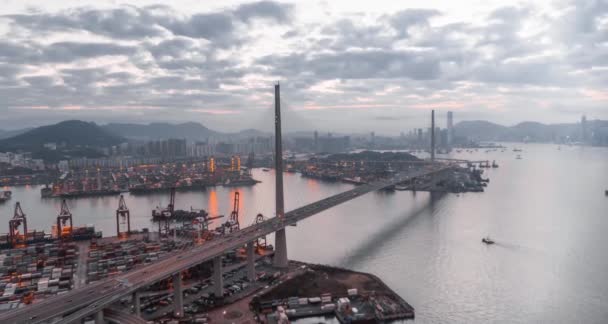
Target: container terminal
x: 35, y: 265
x: 150, y: 178
x: 38, y: 265
x: 368, y: 166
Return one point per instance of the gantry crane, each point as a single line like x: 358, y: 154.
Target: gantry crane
x: 166, y: 215
x: 233, y: 221
x: 123, y: 214
x: 13, y: 224
x: 65, y: 216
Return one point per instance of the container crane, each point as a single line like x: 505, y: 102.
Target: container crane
x: 13, y: 224
x: 165, y: 215
x: 123, y: 214
x: 65, y: 216
x: 233, y: 222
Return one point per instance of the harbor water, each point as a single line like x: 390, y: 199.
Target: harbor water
x: 547, y: 213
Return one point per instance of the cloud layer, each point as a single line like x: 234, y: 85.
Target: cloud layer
x: 154, y: 63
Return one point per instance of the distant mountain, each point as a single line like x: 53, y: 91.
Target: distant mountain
x: 69, y: 134
x: 6, y: 133
x: 154, y: 131
x: 251, y: 133
x: 190, y: 131
x: 481, y: 129
x: 531, y: 131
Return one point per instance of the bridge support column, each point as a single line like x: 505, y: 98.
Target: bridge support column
x: 250, y: 262
x: 99, y: 317
x: 218, y: 280
x: 178, y: 295
x: 137, y: 304
x: 280, y: 240
x: 280, y: 249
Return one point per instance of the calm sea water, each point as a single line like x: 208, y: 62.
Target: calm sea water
x: 547, y: 212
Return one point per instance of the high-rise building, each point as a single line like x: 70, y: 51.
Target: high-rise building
x: 450, y: 127
x: 584, y: 130
x: 372, y: 139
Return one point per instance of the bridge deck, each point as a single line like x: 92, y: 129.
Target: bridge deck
x: 91, y: 298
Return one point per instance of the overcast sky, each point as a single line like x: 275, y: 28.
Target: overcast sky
x: 343, y: 65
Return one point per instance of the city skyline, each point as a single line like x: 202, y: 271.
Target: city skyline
x: 342, y: 66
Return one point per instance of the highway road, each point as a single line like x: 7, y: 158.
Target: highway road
x: 92, y: 298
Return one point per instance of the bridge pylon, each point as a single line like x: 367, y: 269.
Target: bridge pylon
x: 280, y: 238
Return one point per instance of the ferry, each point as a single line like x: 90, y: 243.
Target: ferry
x: 487, y: 240
x: 5, y: 195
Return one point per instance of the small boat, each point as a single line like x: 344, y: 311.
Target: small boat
x: 5, y: 195
x: 518, y: 157
x: 265, y: 170
x: 487, y: 240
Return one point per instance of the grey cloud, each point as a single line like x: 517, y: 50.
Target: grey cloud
x: 521, y: 73
x: 69, y: 51
x: 174, y: 47
x: 153, y: 21
x: 278, y: 12
x: 129, y: 22
x: 405, y: 19
x: 346, y: 33
x: 177, y: 62
x: 8, y: 71
x: 39, y: 81
x: 213, y: 26
x: 359, y: 65
x: 35, y: 53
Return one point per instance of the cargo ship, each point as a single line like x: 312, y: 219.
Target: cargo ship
x: 178, y: 215
x: 141, y: 190
x: 92, y: 193
x: 240, y: 182
x: 48, y: 193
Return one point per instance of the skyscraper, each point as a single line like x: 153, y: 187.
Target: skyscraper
x: 450, y: 127
x: 584, y: 131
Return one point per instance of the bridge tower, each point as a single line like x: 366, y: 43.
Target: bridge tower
x: 18, y: 219
x: 432, y: 135
x: 65, y: 216
x: 280, y: 254
x: 123, y: 212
